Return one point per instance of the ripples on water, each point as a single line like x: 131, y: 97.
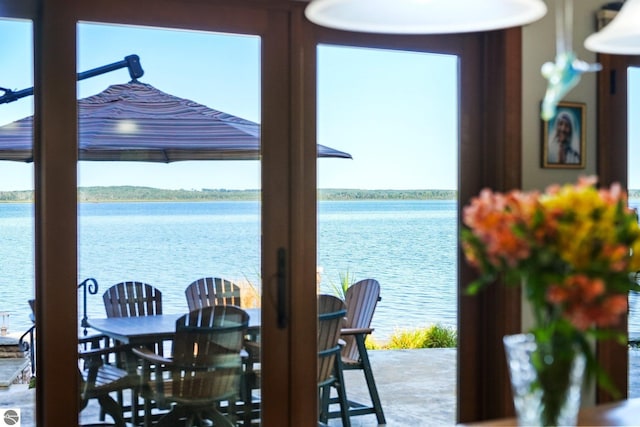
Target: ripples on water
x: 408, y: 246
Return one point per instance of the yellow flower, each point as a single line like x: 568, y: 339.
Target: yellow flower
x: 585, y: 235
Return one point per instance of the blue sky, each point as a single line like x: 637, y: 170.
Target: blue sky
x: 395, y: 112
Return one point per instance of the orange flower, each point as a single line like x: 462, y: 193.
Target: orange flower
x: 494, y: 218
x: 617, y: 256
x: 584, y: 303
x: 557, y: 294
x: 578, y: 288
x: 605, y: 314
x: 612, y: 308
x: 580, y: 318
x: 574, y: 249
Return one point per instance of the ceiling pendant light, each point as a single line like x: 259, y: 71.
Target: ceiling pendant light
x: 424, y: 16
x: 621, y: 36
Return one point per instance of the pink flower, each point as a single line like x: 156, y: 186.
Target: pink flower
x: 585, y: 235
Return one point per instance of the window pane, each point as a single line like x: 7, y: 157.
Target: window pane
x: 16, y: 209
x: 390, y: 214
x: 168, y: 224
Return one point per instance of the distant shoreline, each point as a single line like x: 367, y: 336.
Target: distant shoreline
x: 149, y: 194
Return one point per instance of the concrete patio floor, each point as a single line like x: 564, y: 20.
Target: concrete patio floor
x: 417, y: 388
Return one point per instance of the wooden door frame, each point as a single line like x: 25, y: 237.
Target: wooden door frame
x: 55, y: 197
x: 484, y: 390
x: 490, y: 135
x: 490, y: 156
x: 56, y: 180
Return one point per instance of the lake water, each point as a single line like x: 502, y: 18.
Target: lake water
x: 408, y: 246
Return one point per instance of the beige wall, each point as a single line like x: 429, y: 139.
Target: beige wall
x: 538, y: 46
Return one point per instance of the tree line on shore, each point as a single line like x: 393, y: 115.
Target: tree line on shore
x: 134, y: 193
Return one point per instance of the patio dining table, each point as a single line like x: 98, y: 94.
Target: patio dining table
x: 141, y: 330
x: 152, y: 329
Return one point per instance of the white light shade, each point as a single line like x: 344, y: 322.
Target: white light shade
x: 424, y: 16
x: 621, y: 36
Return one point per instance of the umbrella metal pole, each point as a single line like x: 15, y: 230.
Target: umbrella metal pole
x: 132, y: 62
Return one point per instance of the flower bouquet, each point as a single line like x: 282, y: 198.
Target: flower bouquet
x: 573, y: 249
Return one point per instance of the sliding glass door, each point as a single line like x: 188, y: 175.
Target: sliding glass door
x: 432, y: 134
x: 165, y: 214
x: 488, y: 143
x: 390, y: 212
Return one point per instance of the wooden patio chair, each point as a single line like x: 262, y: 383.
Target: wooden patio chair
x: 203, y: 371
x: 132, y: 299
x: 331, y: 312
x: 361, y: 300
x: 209, y: 291
x: 129, y: 299
x: 251, y: 380
x: 99, y: 378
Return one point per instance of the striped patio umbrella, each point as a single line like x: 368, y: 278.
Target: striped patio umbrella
x: 137, y: 122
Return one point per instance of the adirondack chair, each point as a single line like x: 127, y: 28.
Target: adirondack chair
x: 131, y: 299
x: 209, y: 291
x: 128, y: 299
x: 204, y: 369
x: 361, y: 299
x: 98, y: 378
x: 251, y: 380
x: 331, y: 312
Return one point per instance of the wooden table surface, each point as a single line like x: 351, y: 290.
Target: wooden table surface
x: 145, y: 329
x: 622, y: 413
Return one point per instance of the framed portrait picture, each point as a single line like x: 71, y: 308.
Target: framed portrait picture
x: 564, y: 137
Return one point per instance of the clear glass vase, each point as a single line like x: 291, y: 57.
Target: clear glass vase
x: 546, y: 380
